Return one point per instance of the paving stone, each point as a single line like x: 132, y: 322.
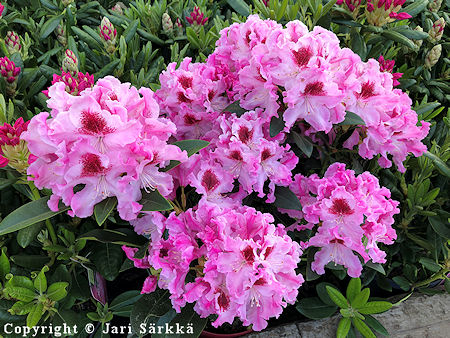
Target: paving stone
x: 420, y: 316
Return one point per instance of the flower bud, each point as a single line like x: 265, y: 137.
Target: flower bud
x: 437, y: 30
x: 381, y: 12
x: 61, y: 34
x: 434, y: 5
x: 167, y: 24
x: 70, y: 63
x: 66, y: 2
x: 1, y: 9
x: 179, y: 27
x: 14, y: 151
x: 9, y: 72
x: 433, y: 56
x: 196, y: 17
x: 118, y: 8
x: 418, y: 43
x: 108, y: 34
x: 12, y: 42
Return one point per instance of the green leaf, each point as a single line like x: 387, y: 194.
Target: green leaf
x: 35, y: 315
x: 447, y: 285
x: 21, y: 308
x: 6, y: 182
x: 235, y: 108
x: 429, y: 264
x: 397, y: 37
x: 21, y: 293
x: 49, y: 26
x: 363, y: 328
x: 415, y: 7
x: 130, y: 32
x: 314, y: 308
x: 343, y: 327
x: 108, y: 69
x: 28, y: 214
x: 376, y: 266
x: 103, y: 209
x: 303, y: 142
x: 30, y: 261
x: 337, y: 297
x: 286, y: 199
x: 357, y: 42
x: 439, y: 227
x: 185, y: 317
x: 5, y: 266
x: 27, y: 235
x: 443, y: 168
x: 150, y: 308
x: 57, y: 291
x: 402, y: 282
x: 122, y: 236
x: 40, y: 282
x: 353, y: 289
x: 125, y: 299
x: 191, y: 146
x: 361, y: 299
x: 323, y: 294
x: 374, y: 307
x: 240, y: 7
x: 21, y: 281
x: 49, y: 4
x: 352, y: 119
x: 376, y: 325
x: 410, y: 33
x: 108, y: 259
x: 154, y: 201
x: 276, y: 126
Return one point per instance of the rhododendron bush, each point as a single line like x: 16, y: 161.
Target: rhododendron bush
x: 275, y: 159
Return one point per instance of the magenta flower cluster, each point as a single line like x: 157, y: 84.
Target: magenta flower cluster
x: 349, y: 214
x: 108, y: 141
x: 245, y: 265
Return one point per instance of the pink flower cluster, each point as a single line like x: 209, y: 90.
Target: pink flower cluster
x: 245, y: 265
x: 10, y: 135
x: 388, y: 66
x: 308, y: 78
x: 108, y: 141
x: 352, y: 214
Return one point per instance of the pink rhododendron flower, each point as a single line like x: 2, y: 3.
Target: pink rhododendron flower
x: 109, y: 140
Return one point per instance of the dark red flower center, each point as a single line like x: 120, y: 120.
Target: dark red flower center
x: 190, y: 119
x: 223, y: 300
x: 337, y: 240
x: 314, y: 88
x: 245, y: 134
x: 94, y: 124
x: 341, y: 207
x: 302, y: 56
x: 265, y: 154
x: 209, y: 180
x: 92, y: 165
x: 260, y: 281
x: 236, y: 155
x: 211, y: 95
x: 163, y: 252
x: 367, y: 90
x: 182, y: 98
x: 186, y: 82
x: 248, y: 255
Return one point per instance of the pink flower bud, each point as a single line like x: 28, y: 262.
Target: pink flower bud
x: 1, y: 9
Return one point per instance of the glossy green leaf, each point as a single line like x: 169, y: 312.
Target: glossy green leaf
x: 20, y: 293
x: 130, y: 32
x: 323, y: 294
x: 35, y: 315
x: 374, y: 307
x: 103, y: 209
x: 5, y: 266
x: 21, y: 308
x: 337, y: 297
x: 415, y: 7
x: 314, y: 308
x: 121, y: 236
x: 353, y: 289
x: 235, y: 108
x: 439, y: 226
x: 361, y: 298
x: 57, y: 291
x: 49, y: 26
x: 363, y: 328
x: 376, y: 266
x: 429, y: 264
x: 108, y: 259
x: 443, y: 168
x: 125, y: 299
x: 154, y: 201
x: 352, y: 119
x: 276, y: 126
x: 27, y: 235
x: 239, y: 6
x: 303, y: 142
x: 343, y: 327
x: 402, y: 282
x: 191, y: 146
x: 150, y: 308
x: 28, y: 214
x: 376, y: 325
x: 40, y: 282
x: 286, y: 199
